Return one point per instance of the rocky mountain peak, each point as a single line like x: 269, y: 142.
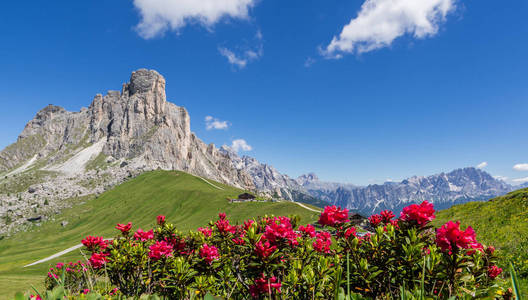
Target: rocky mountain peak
x: 143, y: 81
x: 307, y: 178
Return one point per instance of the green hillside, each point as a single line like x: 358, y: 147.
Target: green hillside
x: 501, y: 222
x: 186, y: 200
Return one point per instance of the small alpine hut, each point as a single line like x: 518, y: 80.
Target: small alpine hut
x: 356, y: 219
x: 246, y: 197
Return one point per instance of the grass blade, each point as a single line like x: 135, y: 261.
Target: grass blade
x: 515, y: 282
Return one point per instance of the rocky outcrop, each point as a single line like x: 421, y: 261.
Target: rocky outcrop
x: 135, y: 124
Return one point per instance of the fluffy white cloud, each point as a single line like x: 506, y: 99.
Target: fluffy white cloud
x: 521, y: 167
x: 520, y: 180
x: 482, y: 165
x: 240, y: 144
x: 214, y: 123
x: 380, y: 22
x: 158, y: 16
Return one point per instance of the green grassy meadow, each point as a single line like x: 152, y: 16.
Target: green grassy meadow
x: 186, y: 200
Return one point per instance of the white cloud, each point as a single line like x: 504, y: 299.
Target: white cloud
x: 158, y: 16
x: 380, y: 22
x: 521, y: 167
x: 240, y: 144
x: 214, y: 123
x: 520, y: 180
x: 242, y: 59
x: 499, y: 177
x: 482, y: 165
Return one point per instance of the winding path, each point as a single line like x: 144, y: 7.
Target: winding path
x: 304, y: 206
x: 210, y: 183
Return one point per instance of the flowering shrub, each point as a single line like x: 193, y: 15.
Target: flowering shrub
x: 75, y: 276
x: 274, y: 257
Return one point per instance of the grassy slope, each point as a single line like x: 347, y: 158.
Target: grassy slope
x: 501, y: 222
x: 187, y: 201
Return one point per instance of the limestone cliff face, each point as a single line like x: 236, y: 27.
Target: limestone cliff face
x: 135, y: 125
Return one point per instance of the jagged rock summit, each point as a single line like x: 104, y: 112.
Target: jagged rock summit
x: 136, y: 125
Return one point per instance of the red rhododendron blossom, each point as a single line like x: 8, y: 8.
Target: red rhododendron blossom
x: 280, y: 228
x: 92, y: 243
x: 333, y: 216
x: 160, y: 219
x: 350, y: 232
x: 386, y: 216
x: 494, y: 271
x: 143, y: 236
x: 449, y: 236
x: 124, y: 228
x: 323, y: 242
x: 264, y: 249
x: 421, y: 214
x: 35, y: 297
x: 206, y: 231
x: 223, y: 225
x: 375, y: 220
x: 85, y: 291
x: 265, y: 286
x: 309, y: 230
x: 247, y: 224
x: 160, y: 249
x: 209, y: 253
x: 97, y: 260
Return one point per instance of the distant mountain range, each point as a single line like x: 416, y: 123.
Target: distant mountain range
x: 63, y: 155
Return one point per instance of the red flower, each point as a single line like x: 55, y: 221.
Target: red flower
x: 209, y: 253
x: 450, y: 237
x: 280, y: 228
x: 160, y: 219
x: 266, y: 286
x: 421, y: 214
x: 494, y: 271
x: 333, y: 216
x: 223, y: 224
x: 323, y: 242
x: 206, y: 231
x: 160, y: 249
x: 309, y: 230
x: 97, y: 260
x: 247, y: 224
x: 375, y: 220
x: 264, y: 248
x: 386, y: 216
x: 490, y: 249
x: 124, y: 228
x: 35, y: 297
x: 92, y: 242
x: 143, y: 236
x: 85, y: 291
x: 350, y: 231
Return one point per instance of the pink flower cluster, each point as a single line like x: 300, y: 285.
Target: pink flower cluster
x: 94, y: 243
x: 265, y: 286
x: 209, y: 253
x: 278, y: 229
x: 449, y: 237
x: 421, y: 214
x: 333, y: 216
x: 125, y: 229
x: 160, y: 249
x: 143, y: 236
x: 323, y: 242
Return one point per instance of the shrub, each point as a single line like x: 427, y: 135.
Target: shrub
x: 274, y: 257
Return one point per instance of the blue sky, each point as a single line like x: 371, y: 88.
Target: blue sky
x: 426, y: 87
